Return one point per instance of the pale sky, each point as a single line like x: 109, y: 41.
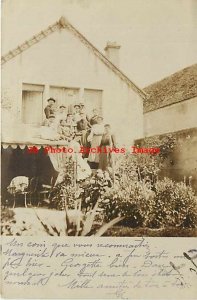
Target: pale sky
x: 157, y: 37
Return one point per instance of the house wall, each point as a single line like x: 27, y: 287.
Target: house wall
x: 172, y: 118
x: 62, y: 60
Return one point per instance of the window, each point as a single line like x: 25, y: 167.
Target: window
x: 32, y: 104
x: 93, y: 99
x: 66, y: 96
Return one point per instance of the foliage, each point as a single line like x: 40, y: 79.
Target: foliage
x: 150, y: 165
x: 7, y: 219
x: 142, y: 168
x: 133, y: 201
x: 89, y: 191
x: 137, y: 195
x: 171, y: 204
x: 93, y: 189
x: 122, y: 231
x: 175, y: 205
x: 9, y: 225
x: 85, y: 197
x: 81, y: 226
x: 137, y: 198
x: 166, y: 143
x: 64, y: 192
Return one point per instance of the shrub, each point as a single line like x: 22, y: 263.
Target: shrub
x: 7, y: 220
x: 63, y: 194
x: 166, y: 143
x: 94, y: 189
x: 133, y: 201
x: 138, y: 167
x: 137, y: 195
x: 150, y: 203
x: 175, y: 205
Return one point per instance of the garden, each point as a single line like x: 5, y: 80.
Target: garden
x: 129, y: 200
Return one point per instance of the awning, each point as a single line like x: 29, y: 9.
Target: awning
x: 34, y: 142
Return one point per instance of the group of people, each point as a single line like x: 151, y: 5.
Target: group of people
x: 89, y: 132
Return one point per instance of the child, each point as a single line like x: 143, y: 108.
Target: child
x: 64, y: 131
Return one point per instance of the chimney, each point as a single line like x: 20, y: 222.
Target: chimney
x: 112, y: 52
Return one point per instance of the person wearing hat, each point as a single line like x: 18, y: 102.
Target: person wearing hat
x: 50, y: 108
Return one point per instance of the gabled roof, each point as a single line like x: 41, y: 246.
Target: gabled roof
x: 177, y: 87
x: 63, y: 23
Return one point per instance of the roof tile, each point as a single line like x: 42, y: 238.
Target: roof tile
x: 179, y: 86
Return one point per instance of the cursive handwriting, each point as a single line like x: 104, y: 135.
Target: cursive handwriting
x: 110, y: 268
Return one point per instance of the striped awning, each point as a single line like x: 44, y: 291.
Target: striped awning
x: 38, y: 143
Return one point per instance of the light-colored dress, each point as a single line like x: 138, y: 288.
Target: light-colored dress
x: 58, y: 160
x: 60, y: 116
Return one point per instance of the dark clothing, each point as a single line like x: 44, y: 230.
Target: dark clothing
x: 82, y: 125
x: 105, y: 159
x: 84, y: 142
x: 93, y: 120
x: 82, y: 133
x: 108, y: 140
x: 49, y: 111
x: 93, y: 165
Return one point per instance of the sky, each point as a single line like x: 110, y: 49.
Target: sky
x: 157, y: 37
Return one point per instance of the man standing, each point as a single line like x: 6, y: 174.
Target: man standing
x: 50, y: 108
x: 77, y: 113
x: 83, y: 111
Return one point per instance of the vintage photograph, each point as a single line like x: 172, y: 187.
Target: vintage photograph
x: 99, y: 118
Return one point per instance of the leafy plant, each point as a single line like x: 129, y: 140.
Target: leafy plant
x: 94, y: 189
x: 82, y: 226
x: 133, y: 201
x: 175, y: 205
x: 84, y: 198
x: 145, y: 201
x: 9, y: 226
x: 64, y: 191
x: 166, y: 143
x: 142, y: 168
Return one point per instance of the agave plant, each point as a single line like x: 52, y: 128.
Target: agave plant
x: 83, y: 224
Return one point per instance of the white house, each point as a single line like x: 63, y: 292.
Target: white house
x: 60, y: 62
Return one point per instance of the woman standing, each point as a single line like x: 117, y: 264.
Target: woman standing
x: 95, y: 139
x: 107, y: 141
